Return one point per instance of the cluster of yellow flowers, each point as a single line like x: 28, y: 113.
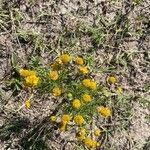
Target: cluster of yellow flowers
x: 82, y: 69
x: 30, y: 77
x: 86, y: 96
x: 78, y: 119
x: 76, y: 103
x: 81, y: 133
x: 64, y: 59
x: 91, y: 143
x: 89, y: 84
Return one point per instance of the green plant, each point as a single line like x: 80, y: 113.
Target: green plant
x: 79, y: 96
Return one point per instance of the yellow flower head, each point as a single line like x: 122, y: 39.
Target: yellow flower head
x: 65, y: 58
x: 112, y: 80
x: 79, y: 61
x: 53, y: 118
x: 97, y: 132
x: 53, y: 75
x: 81, y: 134
x: 76, y: 103
x: 31, y: 80
x: 64, y: 121
x: 92, y: 85
x: 25, y: 73
x: 90, y: 143
x: 86, y: 82
x: 86, y: 98
x: 104, y: 111
x: 56, y: 91
x: 78, y: 119
x: 83, y: 70
x: 65, y: 118
x: 89, y: 84
x: 62, y: 126
x: 28, y: 103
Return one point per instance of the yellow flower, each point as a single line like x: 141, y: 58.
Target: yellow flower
x: 64, y: 121
x: 53, y: 75
x: 90, y: 143
x: 86, y: 98
x: 86, y: 82
x: 78, y: 119
x: 53, y: 118
x: 81, y: 134
x: 28, y: 103
x: 25, y: 73
x: 89, y: 84
x: 65, y: 58
x: 119, y: 90
x: 56, y: 91
x: 31, y: 80
x: 97, y: 132
x: 79, y: 61
x: 76, y: 103
x: 104, y: 111
x: 92, y: 85
x: 83, y: 70
x: 62, y: 126
x: 65, y: 118
x: 111, y: 80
